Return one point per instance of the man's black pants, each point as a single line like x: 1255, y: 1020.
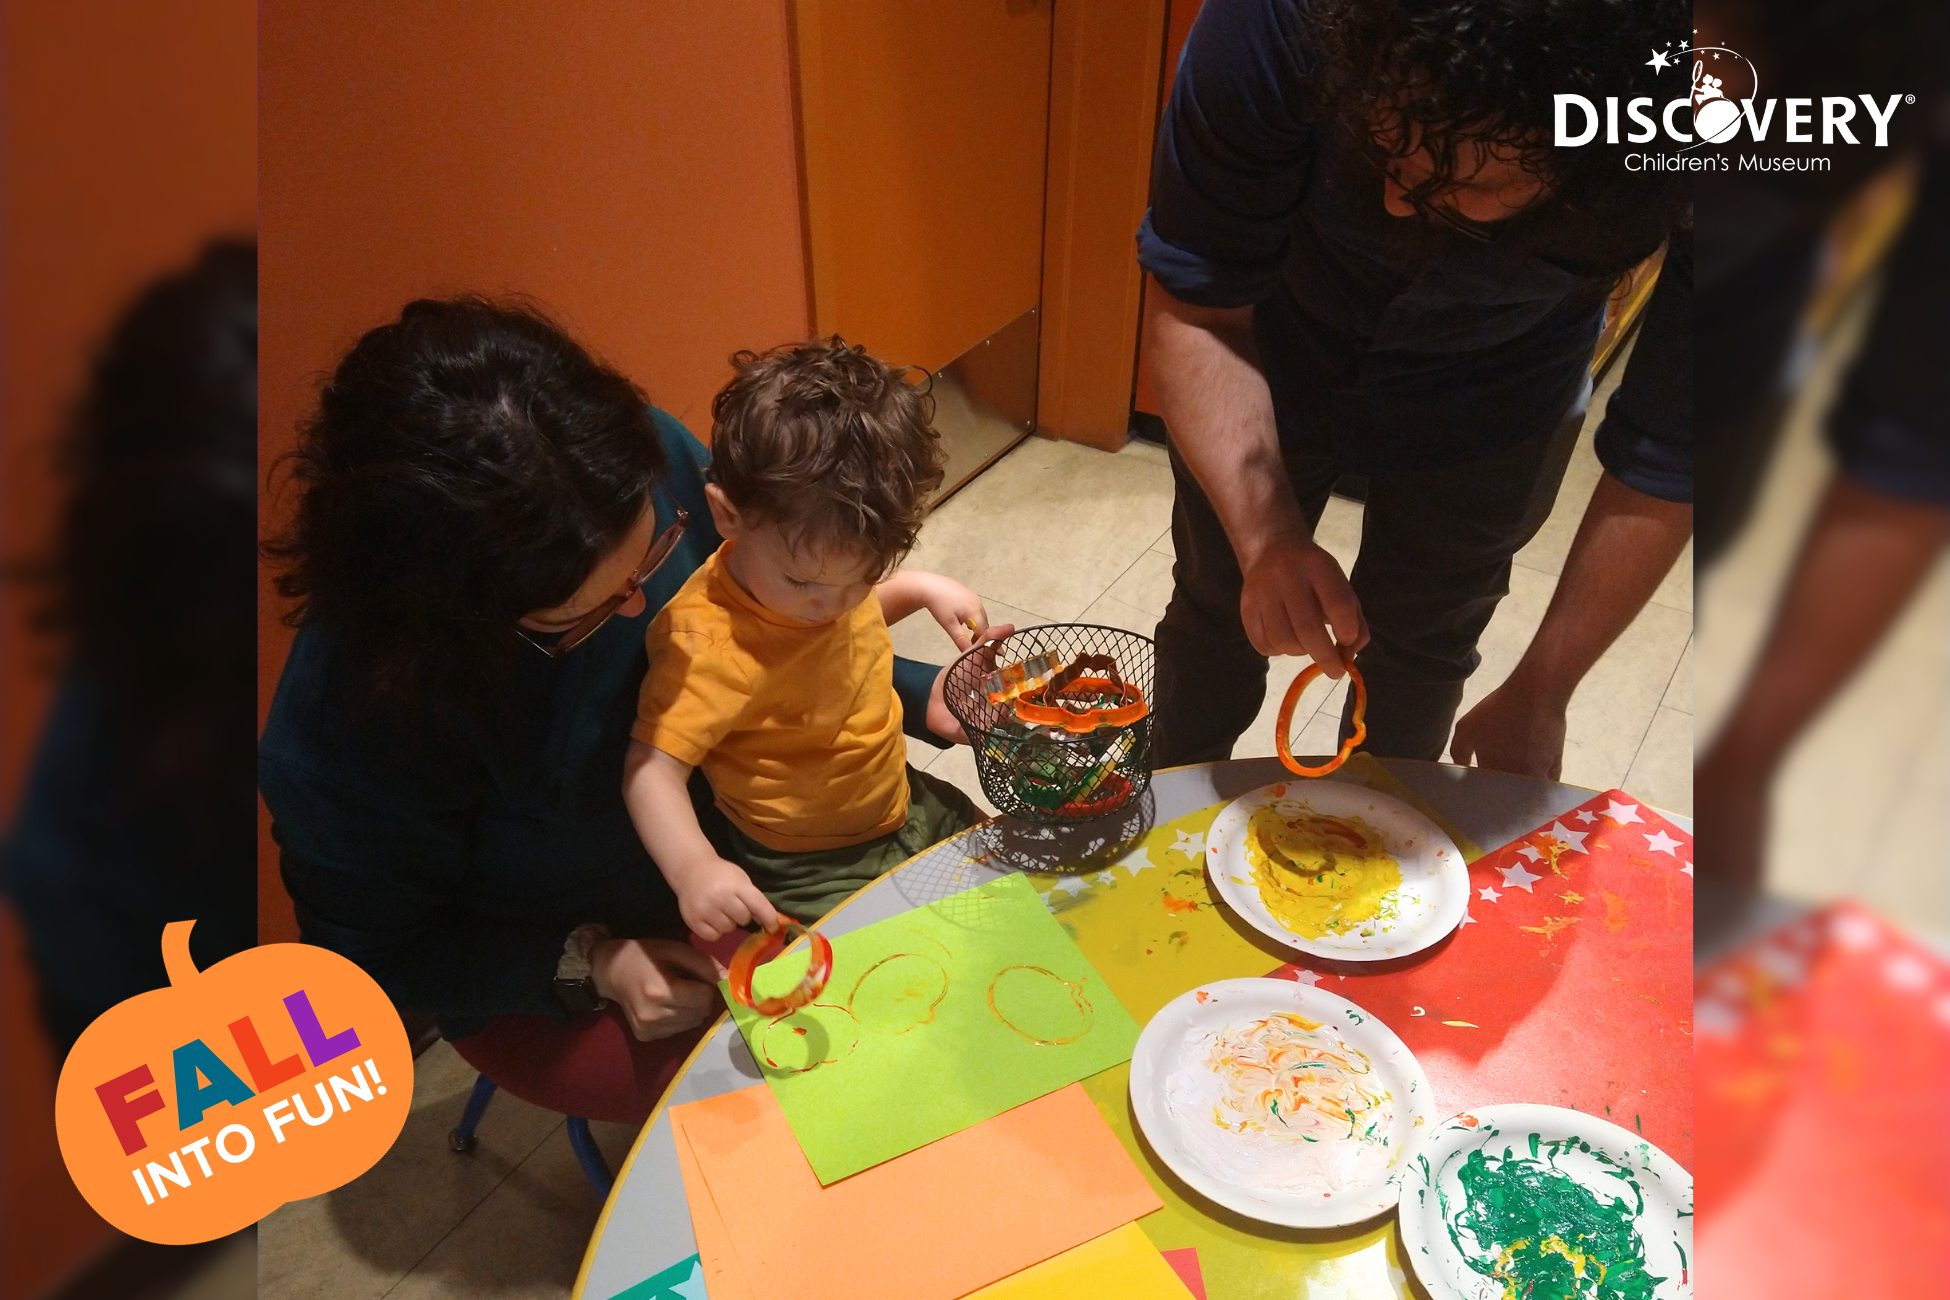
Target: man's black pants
x: 1434, y: 561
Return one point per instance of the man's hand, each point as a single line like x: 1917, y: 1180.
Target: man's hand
x: 1297, y: 601
x: 941, y: 720
x: 663, y: 986
x: 716, y: 897
x: 1512, y: 729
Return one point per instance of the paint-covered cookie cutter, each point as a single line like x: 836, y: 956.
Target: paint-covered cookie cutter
x: 1285, y: 722
x: 1058, y: 704
x: 1012, y: 680
x: 767, y: 944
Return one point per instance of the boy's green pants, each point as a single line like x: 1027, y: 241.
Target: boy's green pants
x: 806, y: 886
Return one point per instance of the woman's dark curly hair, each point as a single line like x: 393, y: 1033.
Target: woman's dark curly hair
x: 832, y: 445
x: 467, y: 464
x: 151, y: 579
x: 1446, y: 73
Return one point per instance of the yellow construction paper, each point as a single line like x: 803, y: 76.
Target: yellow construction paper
x: 1122, y: 1264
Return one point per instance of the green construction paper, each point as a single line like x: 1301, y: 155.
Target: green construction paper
x: 903, y: 1047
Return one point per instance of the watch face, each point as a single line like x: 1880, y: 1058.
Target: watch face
x: 576, y: 995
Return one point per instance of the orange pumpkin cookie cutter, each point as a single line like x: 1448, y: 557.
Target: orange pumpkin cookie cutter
x: 1285, y: 722
x: 767, y: 944
x: 1057, y: 704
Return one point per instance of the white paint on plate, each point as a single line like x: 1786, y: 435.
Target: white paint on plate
x: 1200, y: 1126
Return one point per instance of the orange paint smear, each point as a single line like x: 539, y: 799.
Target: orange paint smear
x: 1551, y: 925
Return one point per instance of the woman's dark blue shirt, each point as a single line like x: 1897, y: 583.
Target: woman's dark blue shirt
x: 453, y: 870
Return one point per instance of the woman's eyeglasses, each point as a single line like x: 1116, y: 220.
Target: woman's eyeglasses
x: 1482, y: 232
x: 557, y: 644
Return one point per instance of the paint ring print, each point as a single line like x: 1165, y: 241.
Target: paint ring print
x: 1041, y: 1005
x: 1505, y: 1202
x: 1337, y: 870
x: 1280, y: 1101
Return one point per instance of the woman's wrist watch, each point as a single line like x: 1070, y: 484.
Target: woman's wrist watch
x: 575, y: 979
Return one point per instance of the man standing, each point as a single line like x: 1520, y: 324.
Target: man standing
x: 1366, y: 256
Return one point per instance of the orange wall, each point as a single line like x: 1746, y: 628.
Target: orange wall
x: 1103, y: 116
x: 631, y: 165
x: 127, y: 138
x: 924, y: 135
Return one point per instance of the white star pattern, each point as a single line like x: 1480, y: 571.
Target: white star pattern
x: 1854, y: 932
x: 1907, y: 971
x: 1467, y: 920
x: 1659, y: 61
x: 1138, y: 861
x: 1105, y: 878
x: 1660, y: 842
x: 1488, y: 894
x: 1570, y: 839
x: 1189, y: 845
x: 1622, y: 812
x: 1586, y: 816
x: 1517, y: 878
x: 1715, y: 1019
x: 692, y: 1287
x: 1686, y: 870
x: 1071, y: 885
x: 1304, y: 976
x: 1529, y: 851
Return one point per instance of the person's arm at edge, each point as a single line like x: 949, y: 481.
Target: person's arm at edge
x: 1625, y: 545
x: 1205, y: 370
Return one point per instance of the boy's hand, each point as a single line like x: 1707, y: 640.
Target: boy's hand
x: 957, y: 609
x: 716, y: 897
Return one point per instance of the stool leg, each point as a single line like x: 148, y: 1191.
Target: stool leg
x: 461, y: 1140
x: 594, y: 1167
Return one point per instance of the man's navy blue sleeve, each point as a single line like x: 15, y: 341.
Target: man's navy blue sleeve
x: 1891, y: 430
x: 1646, y: 441
x: 1234, y: 151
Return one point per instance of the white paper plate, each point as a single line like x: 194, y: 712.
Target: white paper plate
x: 1324, y: 1183
x: 1434, y: 892
x: 1443, y: 1231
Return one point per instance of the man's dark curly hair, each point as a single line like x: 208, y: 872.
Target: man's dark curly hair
x: 1447, y: 73
x: 467, y: 464
x: 830, y: 444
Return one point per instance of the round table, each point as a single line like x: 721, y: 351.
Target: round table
x: 645, y: 1227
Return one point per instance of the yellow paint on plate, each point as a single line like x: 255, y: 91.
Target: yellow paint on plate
x: 1320, y: 875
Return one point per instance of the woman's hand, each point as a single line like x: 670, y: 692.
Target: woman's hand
x: 716, y: 897
x: 662, y: 985
x: 941, y: 720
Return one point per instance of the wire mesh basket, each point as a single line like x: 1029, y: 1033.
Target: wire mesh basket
x: 1060, y: 719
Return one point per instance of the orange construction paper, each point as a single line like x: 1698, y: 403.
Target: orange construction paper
x: 934, y: 1224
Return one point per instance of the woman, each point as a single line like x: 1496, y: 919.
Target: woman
x: 489, y: 518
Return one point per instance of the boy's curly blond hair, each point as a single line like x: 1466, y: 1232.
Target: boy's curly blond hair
x: 829, y: 444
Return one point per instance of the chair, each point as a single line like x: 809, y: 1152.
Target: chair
x: 594, y: 1167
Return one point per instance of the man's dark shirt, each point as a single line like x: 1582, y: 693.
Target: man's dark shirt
x: 453, y: 867
x: 1399, y: 342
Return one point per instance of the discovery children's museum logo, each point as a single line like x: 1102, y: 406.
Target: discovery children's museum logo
x: 1723, y: 106
x: 189, y: 1112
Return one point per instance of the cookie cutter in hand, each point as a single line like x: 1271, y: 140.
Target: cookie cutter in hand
x: 767, y: 944
x: 1348, y: 746
x: 1012, y: 680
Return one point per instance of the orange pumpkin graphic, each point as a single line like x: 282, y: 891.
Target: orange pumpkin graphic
x: 192, y: 1111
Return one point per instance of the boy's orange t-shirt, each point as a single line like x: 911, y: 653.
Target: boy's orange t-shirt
x: 797, y: 728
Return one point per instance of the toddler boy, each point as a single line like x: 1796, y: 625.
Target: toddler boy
x: 772, y: 669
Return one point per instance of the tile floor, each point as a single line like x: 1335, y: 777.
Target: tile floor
x: 511, y: 1220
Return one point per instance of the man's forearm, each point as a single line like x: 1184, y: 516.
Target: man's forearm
x: 1625, y: 546
x: 1205, y: 370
